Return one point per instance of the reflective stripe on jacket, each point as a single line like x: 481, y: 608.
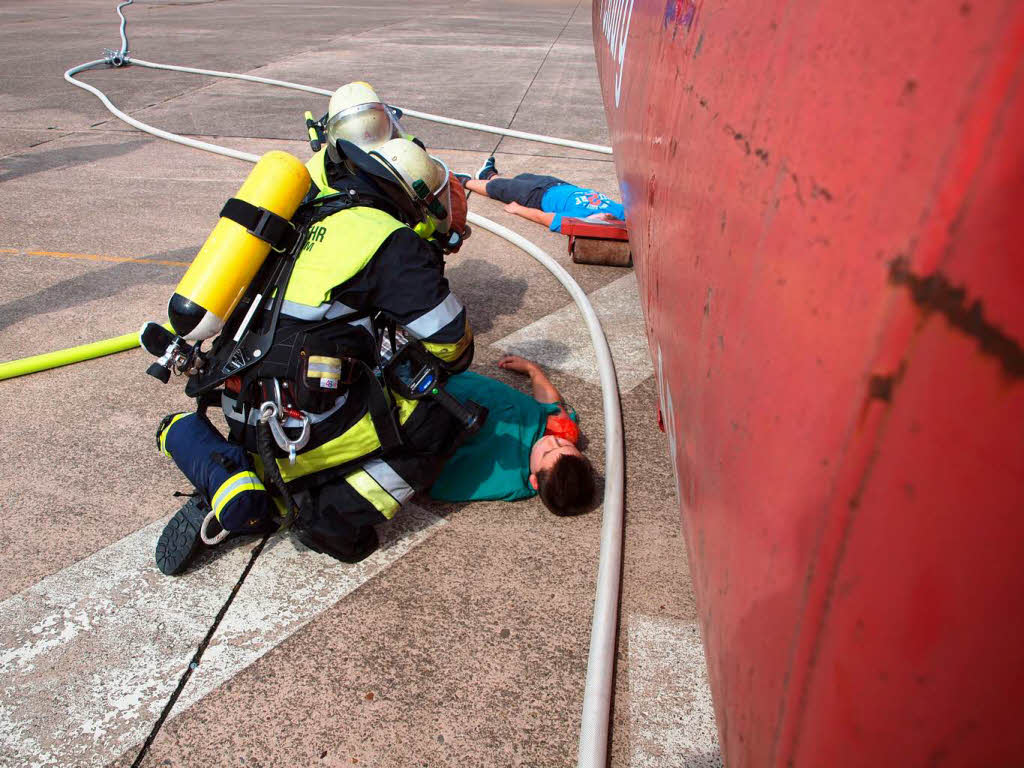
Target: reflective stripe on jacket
x: 355, y: 442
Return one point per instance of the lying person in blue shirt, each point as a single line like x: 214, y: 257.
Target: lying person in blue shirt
x: 544, y: 199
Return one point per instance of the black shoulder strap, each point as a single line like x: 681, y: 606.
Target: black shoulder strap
x: 264, y: 224
x: 321, y: 208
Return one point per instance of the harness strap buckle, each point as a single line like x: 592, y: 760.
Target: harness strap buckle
x: 259, y: 222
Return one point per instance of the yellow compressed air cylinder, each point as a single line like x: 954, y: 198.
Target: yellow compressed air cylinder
x: 231, y: 256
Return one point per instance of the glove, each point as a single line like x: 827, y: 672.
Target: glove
x: 459, y: 206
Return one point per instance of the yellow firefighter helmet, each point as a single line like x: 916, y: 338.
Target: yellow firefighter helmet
x: 424, y: 178
x: 356, y: 114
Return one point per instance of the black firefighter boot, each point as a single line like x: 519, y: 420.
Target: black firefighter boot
x: 180, y: 541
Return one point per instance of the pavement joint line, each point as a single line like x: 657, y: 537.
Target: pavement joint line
x: 314, y: 49
x: 290, y: 139
x: 184, y: 92
x: 293, y: 140
x: 117, y: 635
x: 46, y: 141
x: 529, y: 154
x: 217, y: 80
x: 535, y: 74
x: 95, y: 257
x: 197, y: 657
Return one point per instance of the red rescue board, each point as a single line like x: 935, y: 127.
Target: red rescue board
x: 595, y: 243
x: 583, y: 228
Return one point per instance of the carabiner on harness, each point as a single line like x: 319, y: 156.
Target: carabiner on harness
x: 272, y: 414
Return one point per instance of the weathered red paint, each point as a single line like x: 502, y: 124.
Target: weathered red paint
x: 825, y: 208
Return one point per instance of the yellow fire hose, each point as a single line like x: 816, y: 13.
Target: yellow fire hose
x: 68, y: 356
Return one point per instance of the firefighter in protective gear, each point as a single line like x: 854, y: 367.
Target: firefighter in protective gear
x: 425, y: 178
x: 367, y: 269
x: 363, y: 272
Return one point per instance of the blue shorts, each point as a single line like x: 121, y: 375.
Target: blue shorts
x: 526, y: 189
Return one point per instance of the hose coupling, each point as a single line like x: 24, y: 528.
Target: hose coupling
x: 116, y: 58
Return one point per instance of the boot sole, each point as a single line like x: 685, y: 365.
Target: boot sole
x: 180, y: 541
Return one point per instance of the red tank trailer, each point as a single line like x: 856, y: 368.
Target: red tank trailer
x: 826, y: 213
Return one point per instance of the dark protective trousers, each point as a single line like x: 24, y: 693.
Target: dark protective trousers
x: 336, y: 512
x: 526, y: 189
x: 220, y: 471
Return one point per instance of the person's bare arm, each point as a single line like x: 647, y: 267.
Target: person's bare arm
x: 543, y: 390
x: 533, y: 214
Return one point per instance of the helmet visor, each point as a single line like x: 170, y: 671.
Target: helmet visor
x: 439, y: 202
x: 365, y: 125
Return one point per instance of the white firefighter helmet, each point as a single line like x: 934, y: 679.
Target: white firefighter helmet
x: 424, y: 177
x: 356, y: 114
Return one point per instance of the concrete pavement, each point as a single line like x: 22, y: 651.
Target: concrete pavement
x: 464, y: 641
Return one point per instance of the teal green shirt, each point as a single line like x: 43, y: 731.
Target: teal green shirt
x: 495, y: 462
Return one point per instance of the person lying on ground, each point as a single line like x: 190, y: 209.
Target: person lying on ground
x: 544, y: 199
x: 526, y: 447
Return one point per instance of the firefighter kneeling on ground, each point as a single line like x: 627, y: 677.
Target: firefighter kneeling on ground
x: 378, y: 221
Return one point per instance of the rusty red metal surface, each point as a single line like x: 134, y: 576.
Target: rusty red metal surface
x: 825, y: 209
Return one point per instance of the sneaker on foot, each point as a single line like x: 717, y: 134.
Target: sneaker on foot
x: 488, y: 170
x: 462, y: 177
x: 180, y: 540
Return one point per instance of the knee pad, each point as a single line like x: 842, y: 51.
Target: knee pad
x: 220, y: 470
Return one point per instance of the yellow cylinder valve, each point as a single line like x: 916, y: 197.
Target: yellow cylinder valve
x: 233, y: 253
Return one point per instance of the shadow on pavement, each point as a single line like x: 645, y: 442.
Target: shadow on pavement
x: 18, y: 166
x: 93, y: 285
x: 484, y: 289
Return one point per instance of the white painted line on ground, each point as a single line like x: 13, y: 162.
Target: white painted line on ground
x: 672, y: 719
x: 90, y: 655
x: 289, y: 587
x: 561, y: 341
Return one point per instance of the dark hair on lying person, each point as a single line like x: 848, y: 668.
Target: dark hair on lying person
x: 568, y: 487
